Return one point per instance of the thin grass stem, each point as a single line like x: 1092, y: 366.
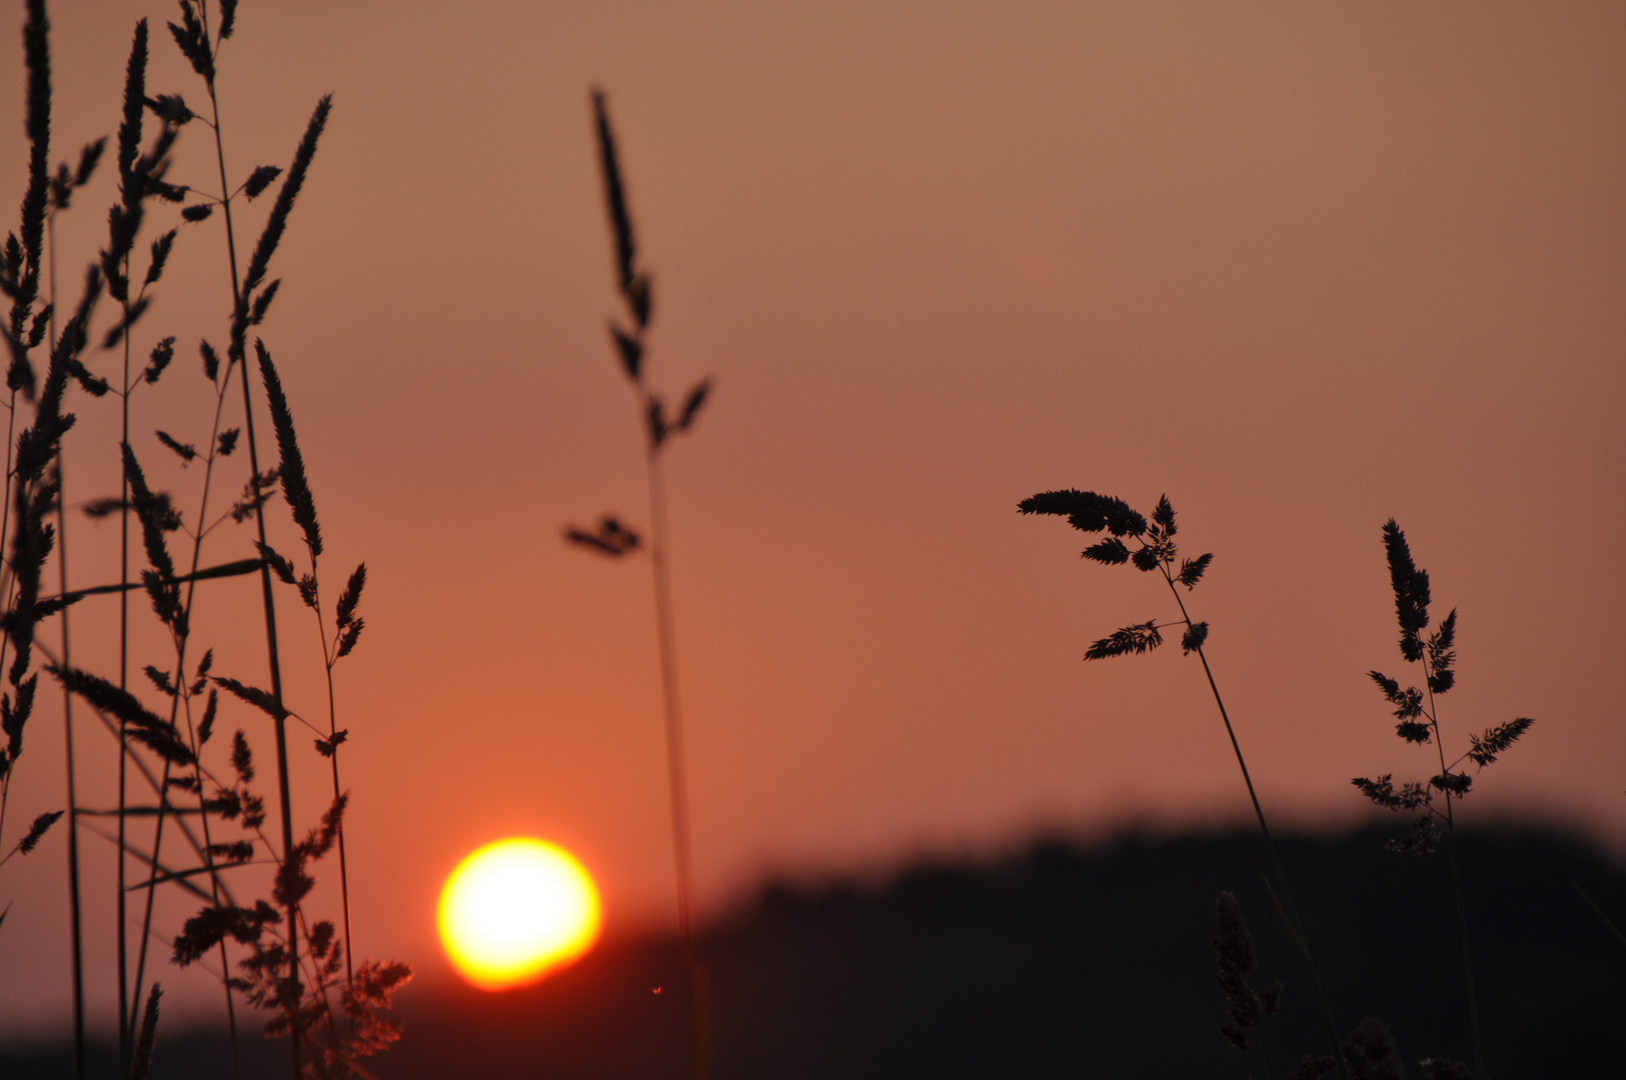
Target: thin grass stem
x: 1456, y: 877
x: 152, y: 888
x: 180, y: 681
x: 125, y: 1040
x: 267, y: 597
x: 1593, y: 904
x: 75, y: 914
x: 677, y: 779
x: 1270, y: 843
x: 329, y: 658
x: 634, y: 286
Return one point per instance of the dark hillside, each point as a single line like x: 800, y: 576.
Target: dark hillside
x: 1060, y: 962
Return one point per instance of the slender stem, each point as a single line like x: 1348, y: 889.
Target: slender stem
x: 214, y: 877
x: 268, y: 599
x: 125, y: 1034
x: 5, y: 513
x: 1598, y: 911
x: 634, y: 288
x: 214, y: 874
x: 330, y: 658
x: 152, y: 889
x: 128, y: 1020
x: 699, y: 1049
x: 73, y: 807
x: 75, y: 913
x: 1270, y: 843
x: 181, y: 682
x: 1456, y: 878
x: 279, y: 723
x: 676, y: 773
x: 1467, y: 953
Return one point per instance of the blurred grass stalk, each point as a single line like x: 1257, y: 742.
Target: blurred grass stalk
x: 610, y: 538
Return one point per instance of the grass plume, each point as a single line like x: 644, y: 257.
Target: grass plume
x: 1418, y: 722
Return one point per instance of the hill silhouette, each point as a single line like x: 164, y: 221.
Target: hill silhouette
x: 1061, y: 961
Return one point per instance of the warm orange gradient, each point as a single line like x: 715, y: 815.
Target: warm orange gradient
x: 515, y: 910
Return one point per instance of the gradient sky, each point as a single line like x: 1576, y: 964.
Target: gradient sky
x: 1300, y: 267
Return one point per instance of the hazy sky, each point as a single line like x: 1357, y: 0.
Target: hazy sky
x: 1300, y: 267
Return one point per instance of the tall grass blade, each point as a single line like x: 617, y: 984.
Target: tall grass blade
x: 1593, y: 904
x: 611, y: 539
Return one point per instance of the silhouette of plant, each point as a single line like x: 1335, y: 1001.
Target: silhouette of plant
x: 1155, y: 551
x: 294, y: 963
x: 612, y: 539
x: 1419, y: 723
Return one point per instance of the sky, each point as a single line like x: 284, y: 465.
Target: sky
x: 1301, y: 268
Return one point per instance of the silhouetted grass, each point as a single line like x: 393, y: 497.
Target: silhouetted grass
x: 1155, y: 551
x: 289, y: 963
x: 1419, y: 722
x: 196, y: 794
x: 630, y: 339
x: 1369, y: 1051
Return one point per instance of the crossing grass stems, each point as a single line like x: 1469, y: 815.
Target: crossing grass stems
x: 205, y: 820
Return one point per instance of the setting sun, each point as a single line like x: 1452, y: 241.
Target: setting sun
x: 515, y: 910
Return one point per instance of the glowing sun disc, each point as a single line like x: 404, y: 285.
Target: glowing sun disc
x: 515, y: 910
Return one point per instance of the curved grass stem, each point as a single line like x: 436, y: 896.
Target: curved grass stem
x: 1296, y: 927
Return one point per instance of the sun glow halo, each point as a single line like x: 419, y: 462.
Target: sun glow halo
x: 515, y: 910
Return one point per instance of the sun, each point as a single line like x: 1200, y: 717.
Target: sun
x: 515, y: 910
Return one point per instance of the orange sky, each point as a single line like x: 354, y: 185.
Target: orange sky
x: 1300, y: 268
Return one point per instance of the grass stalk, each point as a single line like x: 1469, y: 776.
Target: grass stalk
x: 1418, y: 716
x: 180, y: 678
x: 1290, y: 909
x: 330, y: 657
x: 1467, y: 953
x: 677, y: 774
x: 75, y: 906
x: 75, y: 913
x: 268, y: 600
x: 629, y: 339
x: 122, y: 944
x: 151, y: 890
x: 1429, y: 682
x: 180, y: 641
x: 1598, y: 911
x: 1156, y: 550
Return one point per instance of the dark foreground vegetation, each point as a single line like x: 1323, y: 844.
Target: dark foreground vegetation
x: 1060, y: 962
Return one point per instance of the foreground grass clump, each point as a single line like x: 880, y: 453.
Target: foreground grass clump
x: 186, y: 814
